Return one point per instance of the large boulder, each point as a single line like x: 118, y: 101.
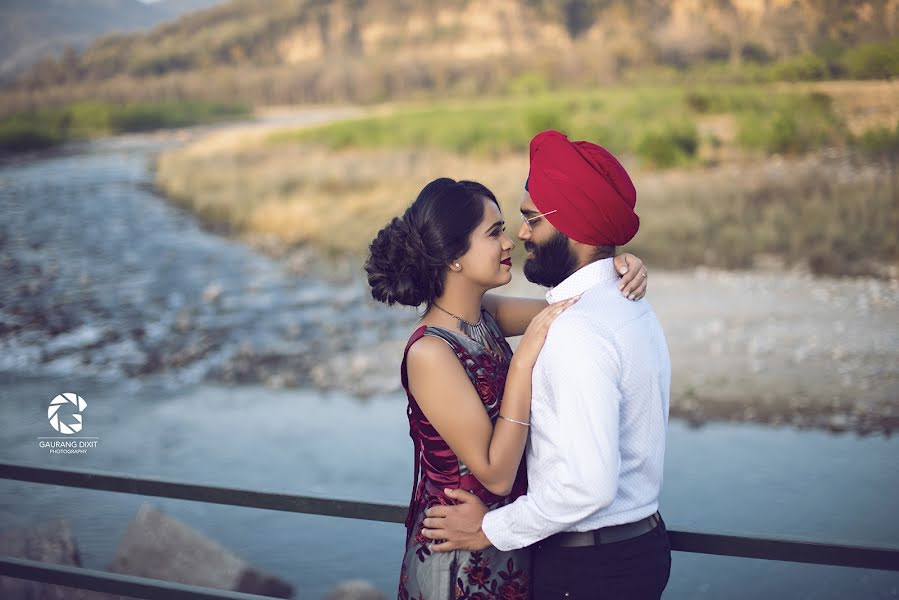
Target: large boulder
x: 161, y: 547
x: 50, y: 542
x: 356, y: 590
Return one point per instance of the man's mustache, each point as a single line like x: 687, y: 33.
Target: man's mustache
x: 530, y: 247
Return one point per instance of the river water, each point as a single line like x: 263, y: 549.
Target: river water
x: 166, y: 330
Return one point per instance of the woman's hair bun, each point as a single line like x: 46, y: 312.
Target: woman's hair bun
x: 400, y: 271
x: 408, y: 258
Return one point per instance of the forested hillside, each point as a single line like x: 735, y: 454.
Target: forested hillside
x: 284, y: 51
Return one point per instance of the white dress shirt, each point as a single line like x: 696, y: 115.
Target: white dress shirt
x: 599, y: 414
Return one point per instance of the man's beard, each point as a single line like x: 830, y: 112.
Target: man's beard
x: 553, y: 261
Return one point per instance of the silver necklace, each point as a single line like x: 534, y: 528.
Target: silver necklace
x: 476, y: 331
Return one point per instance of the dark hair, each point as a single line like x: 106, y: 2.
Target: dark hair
x: 409, y: 257
x: 601, y: 252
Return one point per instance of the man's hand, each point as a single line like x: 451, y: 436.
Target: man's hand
x: 459, y: 525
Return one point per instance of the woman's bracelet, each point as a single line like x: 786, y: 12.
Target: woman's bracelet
x: 514, y: 421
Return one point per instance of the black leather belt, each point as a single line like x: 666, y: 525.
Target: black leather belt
x: 604, y: 535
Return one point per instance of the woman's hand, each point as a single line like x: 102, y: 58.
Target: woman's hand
x: 535, y: 335
x: 633, y: 276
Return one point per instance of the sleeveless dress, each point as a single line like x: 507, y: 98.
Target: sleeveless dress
x: 459, y: 574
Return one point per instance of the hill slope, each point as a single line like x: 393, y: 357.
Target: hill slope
x: 363, y: 50
x: 33, y: 29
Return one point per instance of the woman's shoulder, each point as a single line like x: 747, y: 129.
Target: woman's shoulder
x: 431, y: 352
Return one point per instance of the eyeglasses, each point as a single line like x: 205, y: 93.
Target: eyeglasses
x: 527, y: 220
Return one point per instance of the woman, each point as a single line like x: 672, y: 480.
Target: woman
x: 469, y: 398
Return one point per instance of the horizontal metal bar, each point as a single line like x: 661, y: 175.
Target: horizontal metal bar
x: 114, y: 583
x: 149, y: 486
x: 789, y: 550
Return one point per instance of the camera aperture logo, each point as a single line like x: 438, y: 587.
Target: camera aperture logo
x: 53, y: 413
x: 65, y: 414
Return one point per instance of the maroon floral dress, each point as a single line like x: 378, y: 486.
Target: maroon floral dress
x: 459, y: 574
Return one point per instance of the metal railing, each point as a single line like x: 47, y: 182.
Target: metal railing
x: 790, y: 550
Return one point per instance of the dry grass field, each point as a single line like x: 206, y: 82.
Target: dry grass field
x: 832, y: 210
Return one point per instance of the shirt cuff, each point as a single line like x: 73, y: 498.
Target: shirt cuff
x: 497, y: 531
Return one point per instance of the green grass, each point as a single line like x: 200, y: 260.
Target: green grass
x: 656, y: 124
x: 49, y: 126
x: 615, y: 119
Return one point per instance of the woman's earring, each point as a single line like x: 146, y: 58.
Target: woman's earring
x: 458, y: 266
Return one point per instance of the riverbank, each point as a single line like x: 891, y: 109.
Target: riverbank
x: 772, y: 347
x: 49, y: 127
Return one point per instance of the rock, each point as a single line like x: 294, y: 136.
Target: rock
x: 83, y: 337
x: 356, y: 590
x: 838, y: 422
x: 299, y: 260
x: 160, y: 547
x: 183, y: 320
x: 51, y: 542
x: 212, y: 292
x: 363, y: 372
x: 282, y: 380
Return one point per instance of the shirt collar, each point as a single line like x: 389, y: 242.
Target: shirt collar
x: 600, y: 271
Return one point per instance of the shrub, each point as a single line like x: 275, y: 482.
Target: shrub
x: 792, y: 125
x: 807, y: 67
x: 675, y: 144
x: 49, y: 126
x: 698, y: 102
x: 144, y: 117
x: 541, y: 118
x: 879, y: 142
x: 878, y: 60
x: 22, y: 136
x: 528, y: 84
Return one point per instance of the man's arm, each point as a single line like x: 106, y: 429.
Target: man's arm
x: 573, y: 468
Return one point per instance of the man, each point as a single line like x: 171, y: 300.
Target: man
x: 599, y: 411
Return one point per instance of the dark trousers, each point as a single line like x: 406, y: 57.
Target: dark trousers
x: 633, y: 569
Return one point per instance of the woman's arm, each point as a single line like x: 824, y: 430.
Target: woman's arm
x: 448, y: 399
x: 513, y: 314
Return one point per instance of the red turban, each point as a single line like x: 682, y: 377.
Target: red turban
x: 592, y: 194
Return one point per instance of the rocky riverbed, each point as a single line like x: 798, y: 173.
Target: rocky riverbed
x: 783, y: 348
x: 102, y: 276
